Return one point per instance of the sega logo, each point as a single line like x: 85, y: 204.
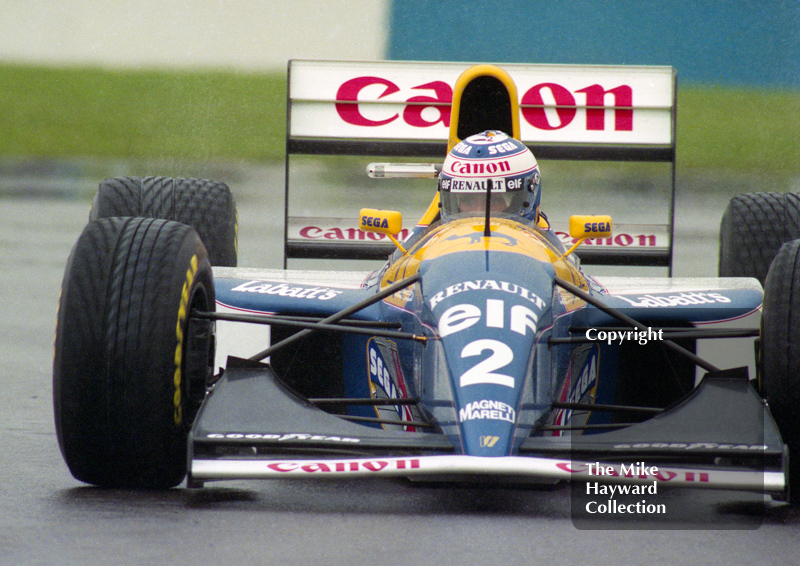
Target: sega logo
x: 374, y: 222
x: 379, y: 373
x: 532, y: 104
x: 586, y: 381
x: 597, y: 227
x: 502, y: 148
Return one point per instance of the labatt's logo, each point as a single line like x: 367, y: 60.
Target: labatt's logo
x: 680, y: 299
x: 284, y: 290
x: 348, y: 97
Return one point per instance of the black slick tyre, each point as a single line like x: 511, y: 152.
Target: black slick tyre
x: 130, y: 366
x: 207, y: 206
x: 754, y: 227
x: 779, y: 355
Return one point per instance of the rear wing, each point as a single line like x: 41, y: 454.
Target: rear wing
x: 402, y: 109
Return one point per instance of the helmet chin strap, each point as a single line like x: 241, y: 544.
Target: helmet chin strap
x: 486, y: 230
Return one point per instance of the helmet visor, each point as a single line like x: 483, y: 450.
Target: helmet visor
x: 468, y: 196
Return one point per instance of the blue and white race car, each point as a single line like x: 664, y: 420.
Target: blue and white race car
x: 480, y: 349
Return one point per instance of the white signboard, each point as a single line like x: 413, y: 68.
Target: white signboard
x: 335, y: 231
x: 410, y: 101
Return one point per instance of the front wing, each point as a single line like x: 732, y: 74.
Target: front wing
x: 252, y: 427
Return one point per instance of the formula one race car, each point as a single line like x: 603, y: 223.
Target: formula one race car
x: 480, y: 350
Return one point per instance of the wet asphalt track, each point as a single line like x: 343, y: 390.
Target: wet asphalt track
x: 47, y: 517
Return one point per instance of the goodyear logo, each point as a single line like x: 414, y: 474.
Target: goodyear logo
x: 183, y: 310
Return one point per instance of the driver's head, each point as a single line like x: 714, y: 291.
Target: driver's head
x: 490, y: 158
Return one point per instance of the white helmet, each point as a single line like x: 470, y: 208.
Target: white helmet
x: 490, y: 159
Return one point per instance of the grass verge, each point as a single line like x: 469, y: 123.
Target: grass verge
x: 738, y: 129
x: 63, y: 112
x: 54, y: 112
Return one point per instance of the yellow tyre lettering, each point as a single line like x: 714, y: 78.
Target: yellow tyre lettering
x: 182, y: 313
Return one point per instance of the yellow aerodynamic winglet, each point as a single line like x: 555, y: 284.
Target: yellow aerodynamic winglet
x: 461, y: 84
x: 458, y: 90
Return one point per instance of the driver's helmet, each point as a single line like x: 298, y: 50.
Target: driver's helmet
x: 493, y: 158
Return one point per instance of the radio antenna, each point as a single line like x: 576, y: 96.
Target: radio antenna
x: 486, y: 231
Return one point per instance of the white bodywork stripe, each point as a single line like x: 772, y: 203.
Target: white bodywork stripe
x: 457, y: 465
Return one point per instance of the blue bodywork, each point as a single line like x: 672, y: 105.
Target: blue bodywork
x: 488, y: 374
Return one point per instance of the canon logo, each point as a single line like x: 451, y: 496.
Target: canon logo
x: 376, y: 466
x: 534, y: 102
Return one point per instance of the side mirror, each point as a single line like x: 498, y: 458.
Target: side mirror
x: 582, y: 226
x: 590, y: 226
x: 388, y: 222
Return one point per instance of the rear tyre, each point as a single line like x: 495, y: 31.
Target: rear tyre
x: 207, y: 206
x: 753, y: 229
x: 779, y: 354
x: 130, y: 366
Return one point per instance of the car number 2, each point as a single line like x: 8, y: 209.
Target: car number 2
x: 483, y: 372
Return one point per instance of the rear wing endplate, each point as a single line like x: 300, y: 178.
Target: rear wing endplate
x: 402, y: 109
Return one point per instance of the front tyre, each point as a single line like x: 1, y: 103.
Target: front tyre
x: 779, y: 355
x: 130, y: 366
